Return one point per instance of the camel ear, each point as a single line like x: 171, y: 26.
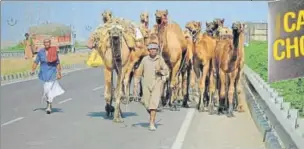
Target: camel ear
x: 223, y: 20
x: 167, y: 12
x: 199, y: 24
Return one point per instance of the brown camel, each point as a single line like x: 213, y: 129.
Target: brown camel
x: 217, y: 30
x: 203, y: 53
x: 229, y: 63
x: 174, y: 50
x: 114, y: 45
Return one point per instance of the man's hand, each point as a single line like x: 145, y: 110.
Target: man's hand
x: 158, y: 72
x: 59, y: 75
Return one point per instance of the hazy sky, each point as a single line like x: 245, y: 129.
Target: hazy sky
x: 82, y: 14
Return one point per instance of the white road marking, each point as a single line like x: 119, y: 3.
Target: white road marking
x: 35, y: 77
x: 12, y: 121
x: 179, y: 140
x: 97, y: 88
x: 66, y: 100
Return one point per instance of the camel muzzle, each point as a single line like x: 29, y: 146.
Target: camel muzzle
x: 158, y: 20
x: 193, y: 32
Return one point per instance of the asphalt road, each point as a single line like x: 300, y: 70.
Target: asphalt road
x: 79, y: 121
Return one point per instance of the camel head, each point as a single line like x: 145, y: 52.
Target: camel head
x: 210, y: 27
x: 144, y: 18
x: 106, y: 16
x: 161, y: 16
x: 218, y: 22
x: 237, y: 27
x: 194, y: 27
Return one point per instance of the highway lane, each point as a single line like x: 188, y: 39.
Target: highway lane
x: 219, y: 132
x: 21, y: 98
x: 79, y: 122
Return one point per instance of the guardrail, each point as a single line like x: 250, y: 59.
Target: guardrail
x: 283, y: 119
x: 26, y: 74
x: 8, y: 54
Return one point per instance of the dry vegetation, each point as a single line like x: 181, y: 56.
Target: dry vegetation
x: 16, y: 65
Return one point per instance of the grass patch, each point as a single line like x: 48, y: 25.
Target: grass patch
x: 256, y: 57
x: 17, y: 65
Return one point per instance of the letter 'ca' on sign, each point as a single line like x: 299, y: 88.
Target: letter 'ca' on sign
x: 285, y: 40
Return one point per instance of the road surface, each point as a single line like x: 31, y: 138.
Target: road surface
x: 79, y: 122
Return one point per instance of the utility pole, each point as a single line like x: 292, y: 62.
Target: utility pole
x: 73, y: 38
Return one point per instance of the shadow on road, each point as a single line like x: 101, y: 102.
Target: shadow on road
x: 103, y: 114
x: 144, y: 124
x: 54, y: 110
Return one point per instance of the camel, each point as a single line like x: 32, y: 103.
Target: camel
x: 174, y: 50
x: 217, y: 30
x: 137, y: 55
x: 117, y: 56
x: 203, y: 53
x: 106, y: 16
x: 217, y: 25
x: 229, y: 57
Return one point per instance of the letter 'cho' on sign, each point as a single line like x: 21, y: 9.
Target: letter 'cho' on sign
x: 285, y: 40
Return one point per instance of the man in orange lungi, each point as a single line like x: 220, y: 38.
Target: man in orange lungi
x: 28, y: 50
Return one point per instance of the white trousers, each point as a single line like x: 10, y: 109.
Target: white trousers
x: 52, y: 89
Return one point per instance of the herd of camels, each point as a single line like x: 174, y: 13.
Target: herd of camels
x: 213, y: 58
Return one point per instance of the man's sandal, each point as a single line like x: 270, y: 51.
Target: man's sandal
x: 152, y: 128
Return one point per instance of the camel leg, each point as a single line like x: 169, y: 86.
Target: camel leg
x: 136, y: 84
x: 190, y: 83
x: 185, y: 87
x: 211, y: 91
x: 127, y: 79
x: 192, y: 76
x: 118, y: 95
x: 222, y: 91
x: 196, y: 75
x: 240, y: 92
x: 174, y: 85
x: 202, y: 85
x: 232, y: 78
x: 107, y: 92
x: 180, y: 87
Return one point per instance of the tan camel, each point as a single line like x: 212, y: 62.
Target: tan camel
x: 174, y: 50
x: 106, y: 16
x: 203, y: 53
x: 137, y: 55
x: 229, y: 64
x: 106, y: 44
